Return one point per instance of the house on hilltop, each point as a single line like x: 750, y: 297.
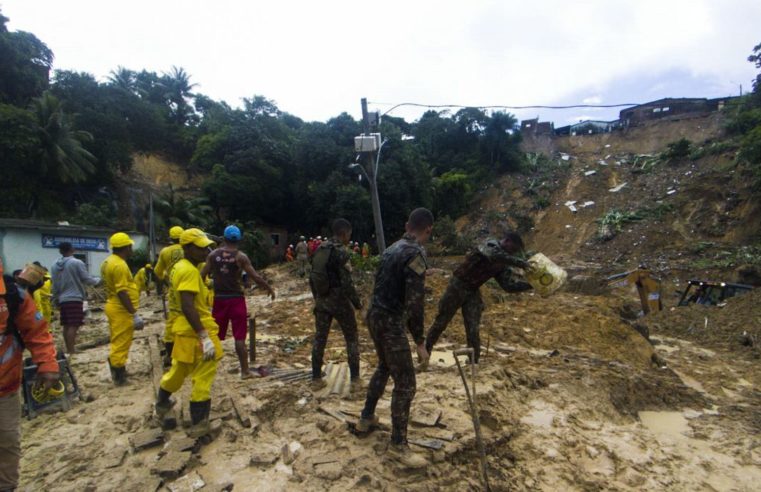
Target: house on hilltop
x: 670, y: 108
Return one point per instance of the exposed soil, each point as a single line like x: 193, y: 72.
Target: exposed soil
x: 561, y: 393
x: 571, y: 396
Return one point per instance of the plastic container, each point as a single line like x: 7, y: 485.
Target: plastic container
x: 544, y: 275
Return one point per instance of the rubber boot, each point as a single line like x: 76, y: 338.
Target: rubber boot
x: 118, y: 374
x: 168, y: 347
x: 405, y: 457
x: 164, y: 403
x: 199, y: 417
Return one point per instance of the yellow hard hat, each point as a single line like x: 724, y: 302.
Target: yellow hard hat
x: 148, y: 266
x: 120, y: 240
x: 196, y: 237
x: 175, y: 232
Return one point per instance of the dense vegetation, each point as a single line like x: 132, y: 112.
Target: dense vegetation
x: 67, y: 141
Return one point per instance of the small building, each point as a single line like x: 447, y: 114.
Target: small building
x: 276, y: 238
x: 591, y: 127
x: 535, y: 127
x: 24, y: 241
x: 670, y: 108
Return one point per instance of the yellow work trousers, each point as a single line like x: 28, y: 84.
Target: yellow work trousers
x: 121, y: 326
x: 187, y: 360
x: 202, y: 373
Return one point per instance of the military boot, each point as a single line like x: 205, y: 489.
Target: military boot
x: 199, y: 417
x: 405, y: 457
x: 365, y: 424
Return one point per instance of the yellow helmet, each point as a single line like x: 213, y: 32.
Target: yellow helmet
x: 120, y: 240
x: 175, y: 232
x: 148, y: 266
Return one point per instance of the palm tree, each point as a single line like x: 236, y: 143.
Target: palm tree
x: 62, y: 155
x: 123, y: 78
x: 177, y: 90
x: 173, y: 209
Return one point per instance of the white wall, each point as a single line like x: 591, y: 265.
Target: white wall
x: 21, y: 246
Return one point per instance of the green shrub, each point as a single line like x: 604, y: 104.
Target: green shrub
x: 677, y: 150
x: 138, y: 259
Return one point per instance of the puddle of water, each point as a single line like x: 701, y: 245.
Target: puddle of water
x: 671, y: 424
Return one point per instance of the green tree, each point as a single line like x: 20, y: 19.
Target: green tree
x: 25, y: 63
x: 62, y: 156
x: 173, y: 209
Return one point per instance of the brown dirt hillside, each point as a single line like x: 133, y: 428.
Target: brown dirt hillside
x: 690, y: 212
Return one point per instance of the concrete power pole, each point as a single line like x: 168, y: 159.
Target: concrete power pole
x: 370, y: 170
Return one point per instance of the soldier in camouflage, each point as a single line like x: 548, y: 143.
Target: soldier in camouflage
x: 335, y: 298
x: 493, y: 259
x: 399, y: 295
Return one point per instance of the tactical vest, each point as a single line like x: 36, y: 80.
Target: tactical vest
x: 320, y: 277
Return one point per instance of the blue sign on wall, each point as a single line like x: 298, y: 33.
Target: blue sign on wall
x: 80, y: 243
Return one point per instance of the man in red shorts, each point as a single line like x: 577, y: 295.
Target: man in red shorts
x: 226, y: 265
x: 70, y: 276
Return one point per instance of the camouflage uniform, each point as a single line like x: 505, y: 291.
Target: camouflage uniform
x: 339, y: 304
x: 399, y: 295
x: 463, y: 292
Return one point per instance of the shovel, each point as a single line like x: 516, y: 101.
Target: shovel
x: 473, y: 408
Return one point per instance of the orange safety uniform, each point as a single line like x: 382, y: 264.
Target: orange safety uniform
x: 33, y: 330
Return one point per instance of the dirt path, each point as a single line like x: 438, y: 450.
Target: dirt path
x: 569, y: 399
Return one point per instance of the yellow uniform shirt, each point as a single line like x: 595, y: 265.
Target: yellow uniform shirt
x: 187, y: 278
x: 117, y: 278
x: 167, y: 258
x: 42, y: 300
x: 141, y: 279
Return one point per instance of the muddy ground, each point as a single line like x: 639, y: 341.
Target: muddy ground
x: 569, y: 398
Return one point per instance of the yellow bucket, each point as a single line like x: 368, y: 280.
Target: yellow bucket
x: 544, y: 275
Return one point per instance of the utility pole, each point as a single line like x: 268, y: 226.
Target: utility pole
x: 369, y: 165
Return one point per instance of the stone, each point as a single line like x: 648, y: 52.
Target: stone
x: 329, y: 471
x: 264, y: 456
x: 290, y: 452
x: 172, y: 464
x: 181, y: 444
x: 187, y: 483
x: 147, y: 439
x: 115, y: 458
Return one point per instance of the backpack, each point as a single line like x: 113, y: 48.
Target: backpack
x: 13, y: 301
x: 318, y: 278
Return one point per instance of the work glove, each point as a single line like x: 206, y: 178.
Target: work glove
x: 207, y: 346
x: 137, y: 322
x: 47, y: 379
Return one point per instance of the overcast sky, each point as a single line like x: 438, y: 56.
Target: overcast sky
x: 316, y: 59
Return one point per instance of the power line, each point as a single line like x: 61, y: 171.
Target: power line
x: 460, y: 106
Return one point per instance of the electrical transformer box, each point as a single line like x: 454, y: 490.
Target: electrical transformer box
x: 367, y: 143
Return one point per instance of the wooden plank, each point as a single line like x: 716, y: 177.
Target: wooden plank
x: 336, y: 414
x: 252, y: 339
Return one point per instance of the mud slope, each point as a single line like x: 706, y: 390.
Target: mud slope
x: 568, y: 397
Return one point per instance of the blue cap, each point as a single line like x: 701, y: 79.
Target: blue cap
x: 232, y: 233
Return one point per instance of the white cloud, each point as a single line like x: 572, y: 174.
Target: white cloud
x: 317, y: 59
x: 592, y: 100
